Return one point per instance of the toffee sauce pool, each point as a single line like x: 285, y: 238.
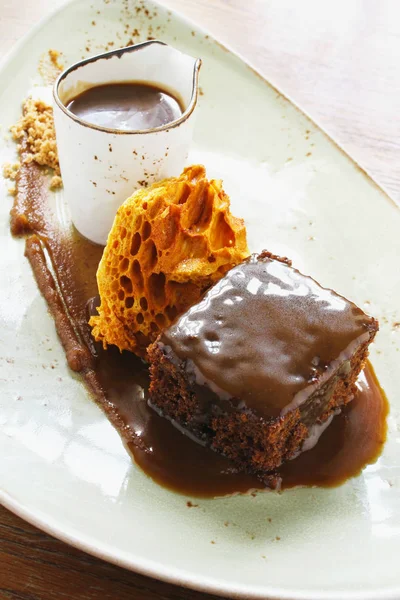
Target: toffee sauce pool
x: 64, y: 265
x: 126, y: 106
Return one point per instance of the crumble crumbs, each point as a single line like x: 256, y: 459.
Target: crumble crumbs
x: 55, y: 182
x: 37, y: 126
x: 50, y: 66
x: 10, y: 171
x: 54, y: 58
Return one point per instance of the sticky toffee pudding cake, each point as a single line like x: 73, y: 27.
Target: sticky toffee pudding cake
x: 262, y: 359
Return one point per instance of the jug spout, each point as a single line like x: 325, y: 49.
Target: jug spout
x: 172, y: 70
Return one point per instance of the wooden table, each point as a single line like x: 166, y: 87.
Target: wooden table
x: 340, y: 62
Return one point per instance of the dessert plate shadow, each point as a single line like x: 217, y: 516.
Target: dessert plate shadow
x: 64, y: 468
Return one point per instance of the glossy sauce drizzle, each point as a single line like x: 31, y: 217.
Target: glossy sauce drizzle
x: 126, y: 106
x: 65, y: 265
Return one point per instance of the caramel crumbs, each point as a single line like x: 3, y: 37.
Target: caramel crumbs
x: 55, y: 182
x: 54, y: 58
x: 10, y: 171
x: 50, y: 66
x: 37, y: 126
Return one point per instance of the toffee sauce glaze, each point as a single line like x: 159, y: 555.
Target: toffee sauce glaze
x: 293, y: 336
x: 64, y: 265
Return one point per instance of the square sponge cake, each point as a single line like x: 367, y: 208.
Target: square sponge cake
x: 265, y: 356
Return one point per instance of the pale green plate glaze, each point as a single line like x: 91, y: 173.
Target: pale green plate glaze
x: 64, y: 468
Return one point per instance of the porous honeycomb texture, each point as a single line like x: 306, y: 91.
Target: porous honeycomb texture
x: 168, y: 244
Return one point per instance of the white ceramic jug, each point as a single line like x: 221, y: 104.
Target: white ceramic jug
x: 101, y: 167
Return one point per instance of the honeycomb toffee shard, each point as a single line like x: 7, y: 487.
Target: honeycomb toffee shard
x: 261, y: 360
x: 168, y: 245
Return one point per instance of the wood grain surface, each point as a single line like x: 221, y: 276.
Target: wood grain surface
x: 35, y: 566
x: 340, y: 62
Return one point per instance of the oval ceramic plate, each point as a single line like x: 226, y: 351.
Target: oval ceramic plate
x: 64, y: 468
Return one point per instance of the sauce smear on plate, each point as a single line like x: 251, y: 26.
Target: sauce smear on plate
x: 65, y: 265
